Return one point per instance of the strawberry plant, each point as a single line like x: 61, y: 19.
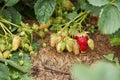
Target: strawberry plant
x: 16, y: 48
x: 68, y: 20
x: 4, y: 72
x: 71, y: 33
x: 109, y: 16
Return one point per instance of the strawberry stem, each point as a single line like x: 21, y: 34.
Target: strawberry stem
x: 8, y: 22
x: 76, y: 21
x: 2, y: 26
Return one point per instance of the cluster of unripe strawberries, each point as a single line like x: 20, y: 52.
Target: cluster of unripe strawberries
x: 76, y: 44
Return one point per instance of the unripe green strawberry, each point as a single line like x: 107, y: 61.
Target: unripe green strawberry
x: 21, y: 54
x: 9, y: 46
x: 22, y: 33
x: 6, y: 54
x: 69, y: 43
x: 58, y: 20
x: 68, y: 5
x: 41, y: 34
x: 2, y: 47
x: 76, y: 50
x: 54, y: 39
x: 44, y: 44
x: 63, y: 34
x: 21, y: 62
x: 32, y: 53
x: 10, y: 55
x: 30, y: 48
x: 42, y: 26
x: 35, y: 27
x: 47, y: 25
x: 16, y: 43
x: 60, y: 46
x: 91, y: 44
x: 25, y: 47
x: 46, y: 30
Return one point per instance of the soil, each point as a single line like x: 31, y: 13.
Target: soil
x: 51, y: 65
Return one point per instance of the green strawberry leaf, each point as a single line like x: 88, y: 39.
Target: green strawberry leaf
x: 11, y: 2
x: 99, y: 70
x: 4, y: 72
x: 27, y: 62
x: 80, y: 72
x: 84, y: 5
x: 12, y: 15
x: 99, y: 2
x: 105, y: 71
x: 6, y: 15
x: 35, y: 45
x: 109, y: 21
x: 117, y: 4
x: 109, y: 57
x: 71, y: 16
x: 44, y: 9
x: 16, y: 16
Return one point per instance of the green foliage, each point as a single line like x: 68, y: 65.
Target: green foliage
x: 98, y: 71
x: 4, y: 72
x: 115, y: 38
x: 14, y: 64
x: 113, y: 59
x: 109, y: 16
x: 17, y: 72
x: 92, y: 29
x: 109, y: 57
x: 44, y: 9
x: 6, y: 14
x: 19, y: 58
x: 117, y: 4
x: 109, y: 20
x: 29, y: 3
x: 35, y: 45
x: 84, y: 5
x: 17, y: 75
x: 14, y: 61
x: 11, y: 2
x: 15, y: 15
x: 12, y: 15
x: 99, y: 2
x: 71, y: 16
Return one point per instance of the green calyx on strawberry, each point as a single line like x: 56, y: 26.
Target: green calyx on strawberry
x: 82, y: 40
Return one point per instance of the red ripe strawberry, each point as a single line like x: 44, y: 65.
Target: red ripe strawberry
x: 82, y: 41
x: 83, y: 48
